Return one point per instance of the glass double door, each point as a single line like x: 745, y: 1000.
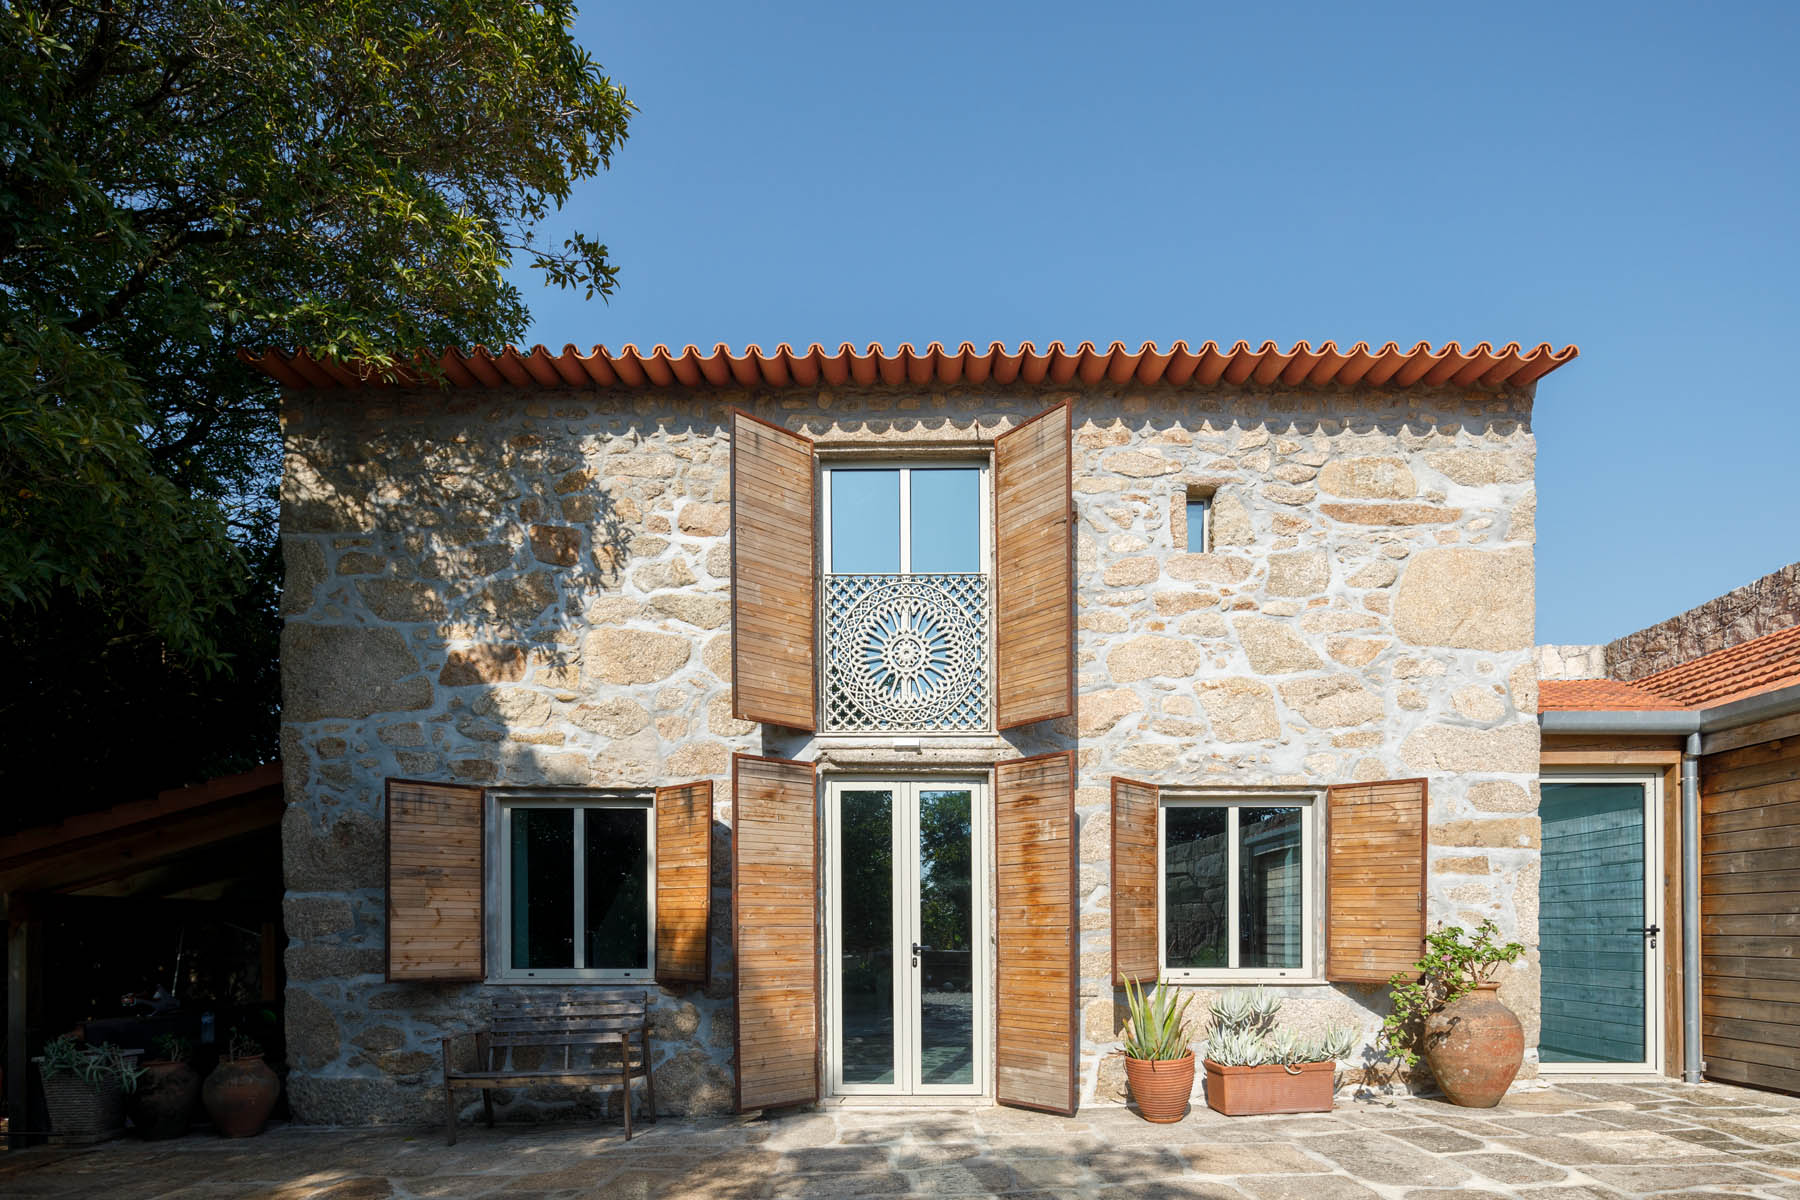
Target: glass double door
x: 907, y: 936
x: 1598, y: 928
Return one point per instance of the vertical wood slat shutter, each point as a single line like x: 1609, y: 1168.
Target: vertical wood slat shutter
x: 435, y: 878
x: 775, y: 915
x: 1134, y: 882
x: 1034, y: 555
x: 1375, y: 879
x: 1037, y: 1037
x: 683, y: 881
x: 773, y: 575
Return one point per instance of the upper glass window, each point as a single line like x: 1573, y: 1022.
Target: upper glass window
x: 576, y: 895
x: 904, y: 520
x: 1237, y: 888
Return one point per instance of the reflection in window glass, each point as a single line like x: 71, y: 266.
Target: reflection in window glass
x: 1196, y: 879
x: 543, y: 888
x: 866, y: 957
x: 1269, y: 895
x: 865, y: 522
x: 946, y: 520
x: 1196, y: 527
x: 618, y: 909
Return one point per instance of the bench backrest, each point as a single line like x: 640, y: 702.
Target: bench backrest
x: 562, y: 1020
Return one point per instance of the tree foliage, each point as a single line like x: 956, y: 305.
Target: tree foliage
x: 181, y: 178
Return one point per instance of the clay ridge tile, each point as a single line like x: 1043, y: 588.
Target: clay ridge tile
x: 1482, y: 366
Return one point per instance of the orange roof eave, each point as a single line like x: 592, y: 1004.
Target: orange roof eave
x: 1483, y: 366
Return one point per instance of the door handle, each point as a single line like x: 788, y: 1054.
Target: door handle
x: 1650, y: 931
x: 916, y: 951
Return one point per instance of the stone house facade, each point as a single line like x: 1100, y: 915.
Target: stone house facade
x: 521, y: 581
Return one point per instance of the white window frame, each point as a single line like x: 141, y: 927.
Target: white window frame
x: 1205, y: 503
x: 1310, y: 863
x: 500, y: 880
x: 906, y: 467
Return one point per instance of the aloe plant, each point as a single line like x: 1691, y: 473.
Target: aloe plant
x: 1244, y: 1033
x: 1157, y: 1030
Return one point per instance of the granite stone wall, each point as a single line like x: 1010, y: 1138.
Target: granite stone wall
x: 1760, y: 606
x: 533, y: 589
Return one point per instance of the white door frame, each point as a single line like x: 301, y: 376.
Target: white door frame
x: 907, y: 1048
x: 1651, y: 782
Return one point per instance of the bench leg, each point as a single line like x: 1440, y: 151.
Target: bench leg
x: 450, y: 1114
x: 649, y: 1075
x: 625, y: 1070
x: 487, y: 1106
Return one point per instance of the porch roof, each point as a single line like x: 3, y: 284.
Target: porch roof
x: 1762, y: 664
x: 1482, y: 366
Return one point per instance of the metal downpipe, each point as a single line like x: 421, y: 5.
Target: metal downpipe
x: 1690, y: 910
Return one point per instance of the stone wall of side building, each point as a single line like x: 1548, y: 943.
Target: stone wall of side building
x: 533, y: 589
x: 1761, y: 606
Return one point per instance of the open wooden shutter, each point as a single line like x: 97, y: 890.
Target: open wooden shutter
x: 434, y: 882
x: 773, y: 575
x: 775, y: 915
x: 1037, y: 1039
x: 683, y: 881
x: 1034, y: 574
x: 1134, y: 947
x: 1375, y: 885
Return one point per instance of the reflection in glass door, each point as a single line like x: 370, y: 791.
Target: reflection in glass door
x: 907, y: 920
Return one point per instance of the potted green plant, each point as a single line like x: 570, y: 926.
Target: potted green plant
x: 1159, y: 1063
x: 242, y: 1090
x: 163, y: 1104
x: 1255, y: 1067
x: 85, y: 1088
x: 1452, y: 1015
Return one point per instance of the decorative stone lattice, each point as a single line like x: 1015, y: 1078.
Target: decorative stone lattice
x: 906, y: 653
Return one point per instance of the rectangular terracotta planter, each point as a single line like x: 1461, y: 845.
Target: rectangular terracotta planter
x: 1250, y: 1091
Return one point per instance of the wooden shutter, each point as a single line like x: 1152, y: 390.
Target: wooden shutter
x: 1037, y: 1038
x: 1375, y: 883
x: 1034, y: 574
x: 435, y: 875
x: 775, y: 915
x: 773, y: 575
x: 683, y: 881
x: 1134, y: 949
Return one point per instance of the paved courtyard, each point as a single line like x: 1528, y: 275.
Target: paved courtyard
x: 1572, y: 1142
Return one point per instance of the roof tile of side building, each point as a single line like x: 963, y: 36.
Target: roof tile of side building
x: 1483, y: 366
x: 1758, y: 665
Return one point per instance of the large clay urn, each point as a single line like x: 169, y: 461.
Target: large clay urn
x: 1474, y: 1046
x: 239, y: 1095
x: 163, y: 1104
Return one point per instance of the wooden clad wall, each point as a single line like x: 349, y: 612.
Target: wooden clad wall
x: 434, y: 882
x: 1134, y: 948
x: 775, y: 915
x: 773, y: 575
x: 683, y: 881
x: 1375, y: 879
x: 1750, y: 907
x: 1034, y: 648
x: 1037, y: 1037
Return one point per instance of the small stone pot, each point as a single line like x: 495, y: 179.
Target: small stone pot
x: 1161, y: 1087
x: 1474, y: 1046
x: 239, y: 1095
x: 164, y: 1102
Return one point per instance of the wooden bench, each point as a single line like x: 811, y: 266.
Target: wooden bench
x: 566, y: 1023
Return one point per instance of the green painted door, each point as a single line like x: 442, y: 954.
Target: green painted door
x: 1591, y: 924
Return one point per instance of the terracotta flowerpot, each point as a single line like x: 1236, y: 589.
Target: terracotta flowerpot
x: 1161, y: 1087
x: 239, y: 1095
x: 1474, y: 1046
x: 163, y: 1104
x: 1252, y: 1091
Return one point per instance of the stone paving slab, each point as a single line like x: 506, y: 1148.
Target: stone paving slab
x: 1574, y: 1141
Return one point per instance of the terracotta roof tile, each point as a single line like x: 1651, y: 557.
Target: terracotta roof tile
x: 1598, y: 695
x: 1303, y: 365
x: 1758, y: 665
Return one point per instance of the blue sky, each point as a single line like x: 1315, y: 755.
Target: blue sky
x: 1625, y: 177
